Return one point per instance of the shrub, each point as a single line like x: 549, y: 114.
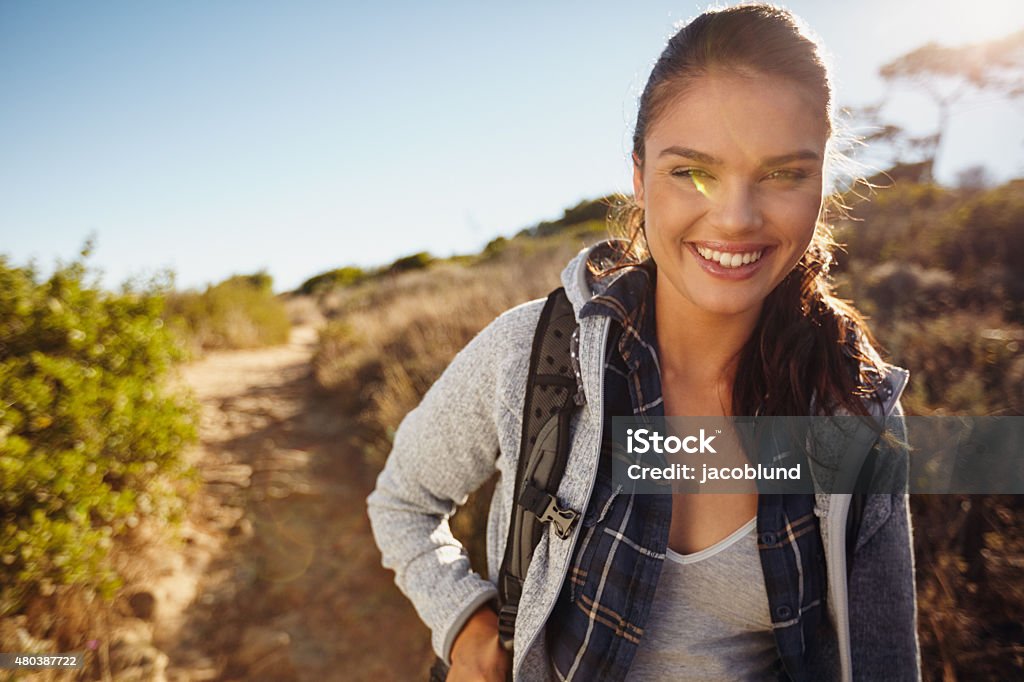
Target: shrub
x: 89, y: 436
x: 261, y: 281
x: 494, y: 247
x: 416, y: 261
x: 963, y: 363
x: 987, y: 245
x: 979, y: 237
x: 240, y: 312
x: 340, y: 277
x: 587, y: 211
x: 990, y: 231
x: 899, y: 288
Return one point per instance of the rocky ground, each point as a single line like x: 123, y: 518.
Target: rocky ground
x: 278, y: 577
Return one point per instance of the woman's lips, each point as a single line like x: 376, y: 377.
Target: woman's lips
x: 714, y: 253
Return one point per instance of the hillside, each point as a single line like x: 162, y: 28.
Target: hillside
x: 270, y: 572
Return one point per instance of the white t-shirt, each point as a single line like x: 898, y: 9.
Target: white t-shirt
x: 710, y: 618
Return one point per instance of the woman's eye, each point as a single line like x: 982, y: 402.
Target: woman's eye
x: 690, y: 173
x: 786, y: 174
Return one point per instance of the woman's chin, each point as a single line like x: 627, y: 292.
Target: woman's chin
x: 728, y: 304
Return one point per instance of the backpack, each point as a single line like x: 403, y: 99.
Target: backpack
x: 553, y: 393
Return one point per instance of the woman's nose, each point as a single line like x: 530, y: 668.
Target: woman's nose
x: 736, y: 208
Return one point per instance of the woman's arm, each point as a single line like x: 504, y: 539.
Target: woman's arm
x: 443, y: 450
x: 883, y: 604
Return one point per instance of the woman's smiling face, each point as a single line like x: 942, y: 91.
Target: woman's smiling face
x: 731, y: 187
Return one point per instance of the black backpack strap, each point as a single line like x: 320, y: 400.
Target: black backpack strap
x: 552, y: 395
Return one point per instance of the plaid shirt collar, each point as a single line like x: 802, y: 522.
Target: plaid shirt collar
x: 629, y: 300
x: 599, y: 620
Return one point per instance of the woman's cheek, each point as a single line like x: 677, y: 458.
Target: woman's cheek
x: 801, y: 216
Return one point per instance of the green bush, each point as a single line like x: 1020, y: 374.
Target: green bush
x: 260, y: 281
x: 990, y: 231
x: 89, y: 437
x: 962, y: 362
x: 896, y: 288
x: 977, y: 237
x: 494, y: 247
x: 587, y: 211
x: 987, y: 246
x: 416, y: 261
x: 240, y: 312
x: 340, y: 277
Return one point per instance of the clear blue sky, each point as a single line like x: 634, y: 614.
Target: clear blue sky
x: 216, y: 138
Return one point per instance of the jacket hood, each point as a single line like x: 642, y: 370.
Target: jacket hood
x: 580, y: 284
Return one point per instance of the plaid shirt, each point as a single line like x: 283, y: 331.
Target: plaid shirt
x: 600, y: 615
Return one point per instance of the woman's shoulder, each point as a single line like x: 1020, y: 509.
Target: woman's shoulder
x: 507, y: 336
x: 499, y: 353
x: 519, y: 320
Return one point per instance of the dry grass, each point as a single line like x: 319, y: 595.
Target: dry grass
x: 302, y: 310
x: 391, y: 340
x: 969, y: 551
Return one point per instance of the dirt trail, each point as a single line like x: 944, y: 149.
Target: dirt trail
x: 279, y: 578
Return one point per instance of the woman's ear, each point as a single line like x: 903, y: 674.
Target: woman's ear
x: 638, y: 181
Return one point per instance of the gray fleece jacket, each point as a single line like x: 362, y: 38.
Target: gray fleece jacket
x: 468, y: 425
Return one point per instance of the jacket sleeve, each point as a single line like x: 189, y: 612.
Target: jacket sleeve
x: 443, y: 450
x: 883, y: 604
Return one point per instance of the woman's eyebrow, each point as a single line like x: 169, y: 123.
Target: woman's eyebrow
x: 692, y: 154
x: 782, y: 159
x: 701, y: 157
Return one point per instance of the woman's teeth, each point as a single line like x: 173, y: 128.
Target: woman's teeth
x: 730, y: 259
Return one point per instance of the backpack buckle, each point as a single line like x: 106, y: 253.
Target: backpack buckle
x: 562, y: 518
x: 507, y: 625
x: 544, y: 506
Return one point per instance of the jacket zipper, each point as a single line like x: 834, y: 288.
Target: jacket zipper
x: 590, y: 491
x: 837, y: 581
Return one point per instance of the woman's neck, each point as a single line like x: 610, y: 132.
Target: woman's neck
x: 697, y: 348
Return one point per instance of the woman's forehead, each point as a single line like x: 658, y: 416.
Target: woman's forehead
x: 733, y: 117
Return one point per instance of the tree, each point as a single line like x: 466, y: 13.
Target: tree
x: 974, y: 178
x: 951, y: 75
x: 906, y: 156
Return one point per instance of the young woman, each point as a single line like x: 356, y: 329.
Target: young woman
x: 717, y: 305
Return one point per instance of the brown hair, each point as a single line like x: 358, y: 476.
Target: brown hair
x: 807, y: 341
